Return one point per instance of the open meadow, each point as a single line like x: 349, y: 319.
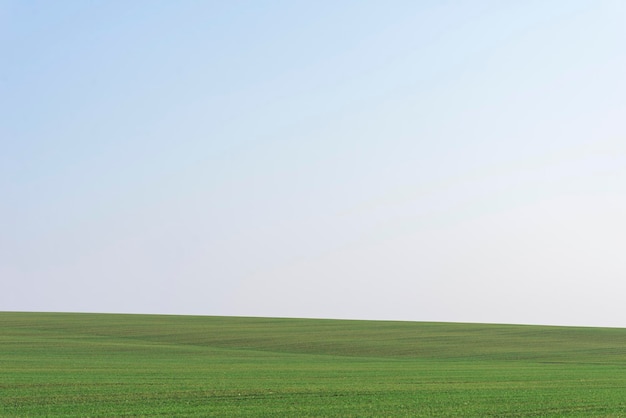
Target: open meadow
x: 55, y: 364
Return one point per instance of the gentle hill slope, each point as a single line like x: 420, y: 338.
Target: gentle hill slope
x: 56, y: 364
x: 387, y: 339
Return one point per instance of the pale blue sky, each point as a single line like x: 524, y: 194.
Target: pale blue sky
x: 435, y: 160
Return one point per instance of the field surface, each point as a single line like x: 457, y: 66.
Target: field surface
x: 140, y: 365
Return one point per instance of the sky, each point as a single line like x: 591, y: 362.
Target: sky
x: 458, y: 161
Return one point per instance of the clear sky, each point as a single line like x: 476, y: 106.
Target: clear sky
x: 417, y: 160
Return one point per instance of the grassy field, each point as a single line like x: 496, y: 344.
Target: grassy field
x: 134, y: 365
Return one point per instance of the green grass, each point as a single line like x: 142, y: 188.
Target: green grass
x: 134, y: 365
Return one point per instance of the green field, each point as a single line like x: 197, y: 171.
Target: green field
x: 134, y: 365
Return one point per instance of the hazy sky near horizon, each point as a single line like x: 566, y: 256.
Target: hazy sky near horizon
x: 417, y: 160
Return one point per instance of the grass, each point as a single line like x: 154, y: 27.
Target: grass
x: 137, y: 365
